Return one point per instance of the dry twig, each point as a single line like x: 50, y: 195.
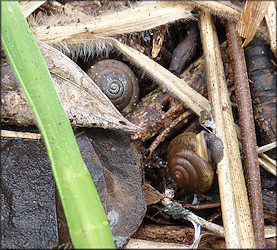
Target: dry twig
x: 267, y: 147
x: 246, y: 121
x: 23, y: 135
x: 268, y: 163
x: 177, y: 211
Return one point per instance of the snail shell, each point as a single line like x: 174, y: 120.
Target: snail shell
x: 118, y: 83
x: 188, y: 162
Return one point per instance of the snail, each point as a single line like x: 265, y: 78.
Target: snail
x: 118, y: 83
x: 189, y: 160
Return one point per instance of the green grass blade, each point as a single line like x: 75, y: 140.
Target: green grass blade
x: 87, y: 222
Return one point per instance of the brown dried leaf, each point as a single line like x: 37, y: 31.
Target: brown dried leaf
x: 83, y: 101
x: 252, y: 15
x: 153, y: 196
x: 116, y: 169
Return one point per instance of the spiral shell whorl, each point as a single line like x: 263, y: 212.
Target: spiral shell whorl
x: 189, y: 170
x: 117, y: 81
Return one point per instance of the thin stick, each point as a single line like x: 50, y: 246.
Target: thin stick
x: 267, y: 147
x: 270, y: 231
x: 273, y: 162
x: 177, y: 211
x: 246, y: 121
x: 23, y: 135
x: 268, y: 164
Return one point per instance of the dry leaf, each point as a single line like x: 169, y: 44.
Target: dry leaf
x: 153, y: 196
x: 252, y: 15
x: 83, y: 101
x: 116, y: 169
x: 227, y: 10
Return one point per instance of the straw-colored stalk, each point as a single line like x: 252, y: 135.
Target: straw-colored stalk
x: 158, y: 73
x: 142, y: 16
x: 270, y: 19
x: 234, y: 202
x: 250, y: 19
x: 28, y: 7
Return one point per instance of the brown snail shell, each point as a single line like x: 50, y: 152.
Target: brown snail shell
x: 188, y: 162
x: 118, y: 83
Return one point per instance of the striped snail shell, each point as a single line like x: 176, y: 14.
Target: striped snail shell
x: 118, y: 83
x: 189, y: 164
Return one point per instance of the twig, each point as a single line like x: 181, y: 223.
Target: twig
x: 270, y: 231
x: 146, y: 244
x: 177, y: 211
x: 249, y: 144
x: 267, y: 147
x: 267, y: 163
x: 23, y: 135
x: 234, y: 202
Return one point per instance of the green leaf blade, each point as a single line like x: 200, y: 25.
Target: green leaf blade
x: 88, y: 225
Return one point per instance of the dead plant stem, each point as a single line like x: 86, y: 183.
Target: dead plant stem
x: 246, y: 121
x: 234, y: 202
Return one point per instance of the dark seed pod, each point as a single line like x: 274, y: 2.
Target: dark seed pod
x: 118, y: 83
x: 185, y: 50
